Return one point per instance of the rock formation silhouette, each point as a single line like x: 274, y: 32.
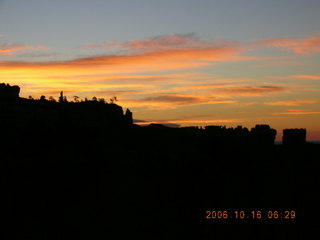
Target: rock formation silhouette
x: 83, y: 170
x: 9, y: 93
x: 26, y: 112
x: 294, y: 136
x: 263, y: 134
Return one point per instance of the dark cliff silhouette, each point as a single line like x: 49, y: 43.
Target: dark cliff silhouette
x: 83, y: 170
x: 23, y: 112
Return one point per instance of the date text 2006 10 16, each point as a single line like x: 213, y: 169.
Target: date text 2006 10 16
x: 253, y: 214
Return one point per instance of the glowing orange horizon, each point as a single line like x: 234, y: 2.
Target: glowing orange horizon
x: 177, y: 77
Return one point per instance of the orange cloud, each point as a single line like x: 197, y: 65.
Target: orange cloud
x: 100, y: 85
x: 183, y: 99
x: 154, y: 55
x: 296, y: 112
x: 188, y: 121
x: 251, y: 90
x: 171, y: 101
x: 91, y: 73
x: 302, y: 76
x: 311, y: 77
x: 142, y: 62
x: 10, y: 49
x: 306, y: 46
x: 164, y: 43
x: 291, y: 102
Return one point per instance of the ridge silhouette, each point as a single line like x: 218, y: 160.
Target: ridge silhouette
x: 83, y: 170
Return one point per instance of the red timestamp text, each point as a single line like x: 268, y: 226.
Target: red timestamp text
x: 250, y: 214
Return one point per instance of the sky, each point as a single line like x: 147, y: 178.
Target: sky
x: 176, y: 62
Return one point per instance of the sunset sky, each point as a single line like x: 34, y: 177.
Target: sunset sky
x: 179, y: 62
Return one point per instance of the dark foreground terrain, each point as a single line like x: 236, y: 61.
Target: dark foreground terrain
x: 68, y: 179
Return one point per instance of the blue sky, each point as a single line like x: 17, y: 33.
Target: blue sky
x: 70, y: 23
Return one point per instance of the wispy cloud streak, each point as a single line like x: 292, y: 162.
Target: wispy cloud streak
x: 9, y: 49
x: 297, y: 112
x: 251, y: 90
x: 171, y: 101
x: 297, y: 102
x: 304, y: 46
x: 165, y: 43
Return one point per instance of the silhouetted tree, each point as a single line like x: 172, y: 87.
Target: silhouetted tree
x: 76, y: 98
x: 52, y: 99
x: 113, y: 100
x: 102, y: 100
